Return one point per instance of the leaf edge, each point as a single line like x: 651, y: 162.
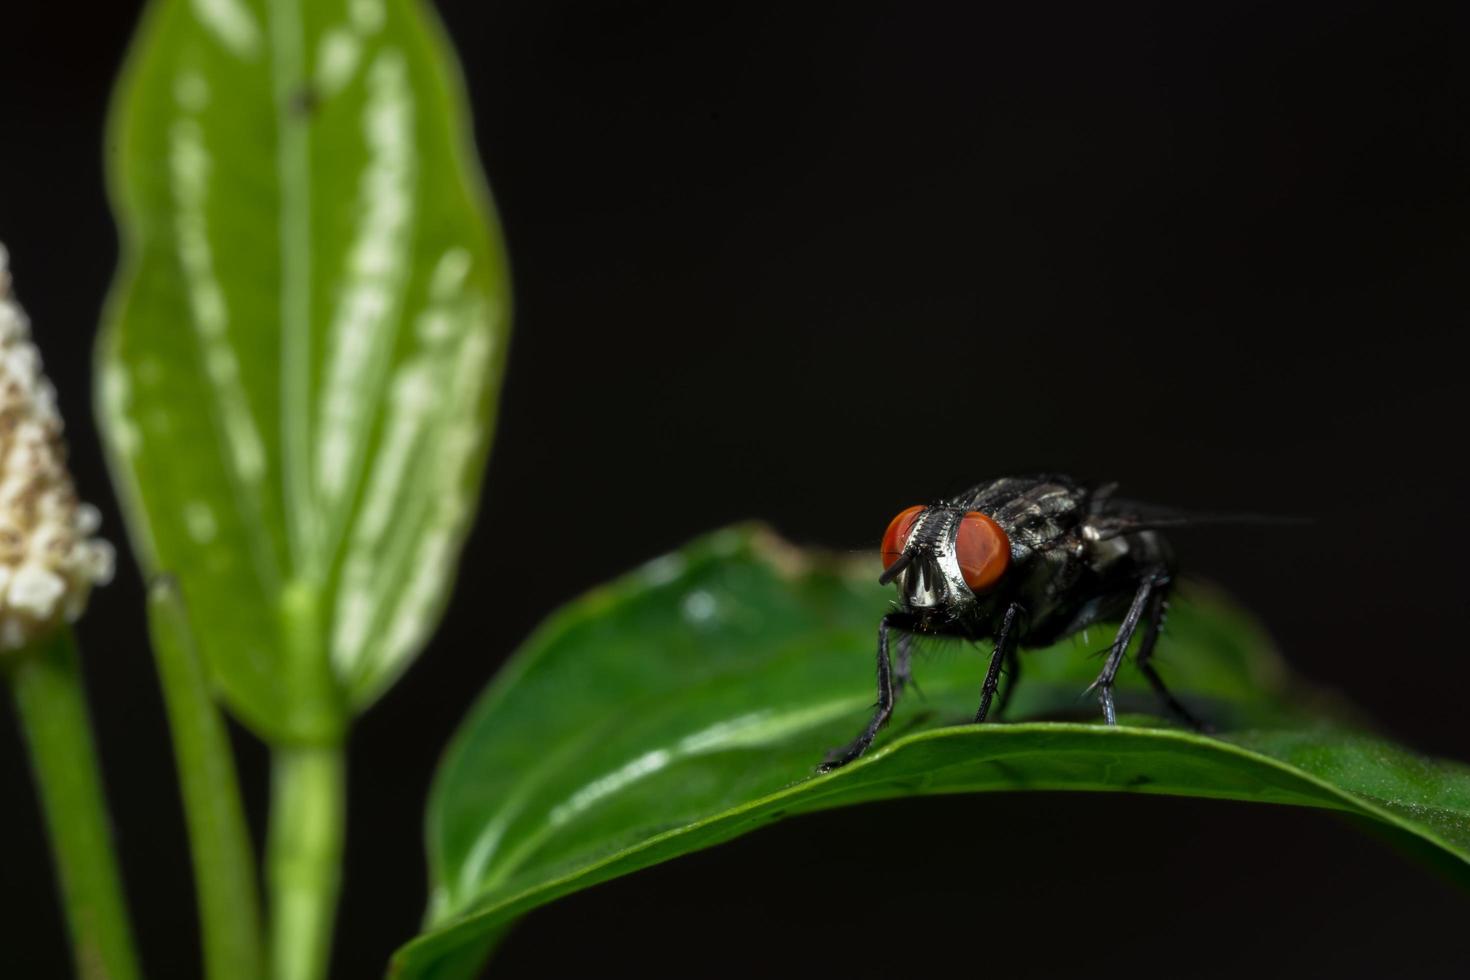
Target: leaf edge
x: 464, y: 927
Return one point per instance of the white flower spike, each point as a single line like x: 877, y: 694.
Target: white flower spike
x: 49, y: 560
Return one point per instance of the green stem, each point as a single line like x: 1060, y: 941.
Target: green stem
x: 52, y: 707
x: 219, y: 837
x: 304, y: 854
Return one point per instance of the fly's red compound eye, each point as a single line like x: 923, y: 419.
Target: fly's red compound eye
x: 898, y: 532
x: 982, y: 549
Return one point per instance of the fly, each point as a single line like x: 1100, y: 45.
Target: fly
x: 1025, y: 561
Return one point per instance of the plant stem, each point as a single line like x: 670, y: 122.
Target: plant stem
x: 304, y: 854
x: 52, y: 708
x: 219, y: 837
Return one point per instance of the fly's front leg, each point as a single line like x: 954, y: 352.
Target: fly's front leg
x: 838, y: 758
x: 1005, y: 642
x: 1153, y: 580
x: 903, y: 666
x: 1012, y: 670
x: 1158, y: 605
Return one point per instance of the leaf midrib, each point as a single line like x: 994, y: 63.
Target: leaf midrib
x: 293, y: 172
x: 532, y: 779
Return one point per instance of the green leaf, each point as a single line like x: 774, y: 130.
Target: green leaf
x: 297, y: 374
x: 689, y: 703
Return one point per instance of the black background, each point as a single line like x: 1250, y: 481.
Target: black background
x: 813, y: 264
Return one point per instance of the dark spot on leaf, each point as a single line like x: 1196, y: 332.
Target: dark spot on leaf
x: 305, y: 101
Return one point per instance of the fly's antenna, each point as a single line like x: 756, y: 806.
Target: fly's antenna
x: 893, y: 571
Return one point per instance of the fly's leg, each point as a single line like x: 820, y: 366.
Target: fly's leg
x: 1153, y: 581
x: 1012, y: 671
x: 1005, y: 642
x: 1158, y: 605
x: 838, y: 758
x: 903, y: 666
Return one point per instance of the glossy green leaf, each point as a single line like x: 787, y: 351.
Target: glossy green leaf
x: 690, y: 702
x: 296, y: 379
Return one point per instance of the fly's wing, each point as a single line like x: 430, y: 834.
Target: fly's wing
x: 1111, y: 516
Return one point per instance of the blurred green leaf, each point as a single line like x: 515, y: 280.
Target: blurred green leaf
x: 690, y: 702
x: 297, y: 375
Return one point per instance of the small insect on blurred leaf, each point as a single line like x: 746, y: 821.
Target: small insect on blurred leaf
x: 297, y: 376
x: 690, y: 702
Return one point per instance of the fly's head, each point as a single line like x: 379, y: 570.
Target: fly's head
x: 942, y: 559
